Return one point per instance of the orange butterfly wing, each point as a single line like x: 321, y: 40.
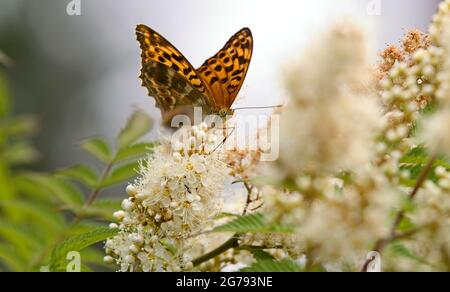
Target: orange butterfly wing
x: 224, y: 73
x: 168, y: 75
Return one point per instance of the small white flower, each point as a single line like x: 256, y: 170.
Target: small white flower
x: 119, y: 215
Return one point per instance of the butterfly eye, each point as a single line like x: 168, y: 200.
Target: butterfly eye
x: 223, y: 112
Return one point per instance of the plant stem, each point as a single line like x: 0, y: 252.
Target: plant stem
x: 230, y: 243
x: 94, y: 194
x: 249, y: 199
x: 382, y: 243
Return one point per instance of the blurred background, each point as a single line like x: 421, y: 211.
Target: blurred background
x: 78, y: 75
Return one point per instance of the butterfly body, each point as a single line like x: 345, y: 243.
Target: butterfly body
x: 177, y: 87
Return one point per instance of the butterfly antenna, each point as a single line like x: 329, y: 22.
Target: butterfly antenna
x: 259, y: 107
x: 224, y: 140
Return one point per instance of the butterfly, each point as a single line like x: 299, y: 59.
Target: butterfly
x: 178, y: 87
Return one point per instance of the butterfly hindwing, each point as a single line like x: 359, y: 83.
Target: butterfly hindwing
x: 177, y: 87
x: 168, y: 75
x: 224, y: 73
x: 173, y: 93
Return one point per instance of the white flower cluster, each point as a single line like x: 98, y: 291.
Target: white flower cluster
x: 329, y: 127
x: 408, y: 88
x: 331, y: 120
x: 177, y: 195
x: 436, y: 131
x: 439, y: 23
x: 338, y: 225
x: 430, y: 218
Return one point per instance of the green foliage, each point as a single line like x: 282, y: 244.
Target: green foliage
x: 133, y: 151
x: 261, y: 255
x: 77, y: 243
x: 120, y: 174
x: 402, y: 251
x: 254, y: 223
x: 415, y: 160
x: 98, y: 148
x: 81, y: 173
x: 43, y: 216
x: 272, y: 265
x: 137, y: 126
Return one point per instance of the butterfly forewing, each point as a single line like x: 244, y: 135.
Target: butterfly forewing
x: 173, y: 93
x: 168, y: 75
x: 177, y: 87
x: 224, y: 73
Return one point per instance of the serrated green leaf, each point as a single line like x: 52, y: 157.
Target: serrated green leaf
x: 255, y: 223
x: 81, y: 173
x: 121, y: 173
x: 284, y: 265
x: 418, y: 156
x: 414, y: 162
x: 137, y: 126
x: 98, y: 148
x: 62, y: 190
x: 134, y: 151
x: 83, y: 227
x: 78, y: 243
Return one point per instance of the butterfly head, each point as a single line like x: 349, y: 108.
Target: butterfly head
x: 224, y: 112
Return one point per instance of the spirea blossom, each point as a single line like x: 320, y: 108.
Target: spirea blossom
x: 355, y: 215
x: 177, y: 194
x: 330, y: 127
x: 436, y: 131
x: 330, y: 121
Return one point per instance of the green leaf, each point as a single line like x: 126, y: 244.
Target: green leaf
x: 137, y: 126
x: 92, y: 256
x: 120, y: 174
x: 22, y: 239
x: 134, y: 151
x: 83, y: 227
x: 46, y: 218
x: 98, y: 148
x: 261, y: 255
x: 403, y: 251
x: 415, y: 160
x: 169, y: 246
x: 284, y: 265
x: 20, y: 153
x: 103, y: 208
x: 226, y: 215
x: 27, y: 187
x: 81, y: 173
x: 10, y: 258
x: 78, y: 243
x: 65, y: 192
x: 22, y: 126
x: 4, y: 96
x: 255, y: 223
x: 406, y: 225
